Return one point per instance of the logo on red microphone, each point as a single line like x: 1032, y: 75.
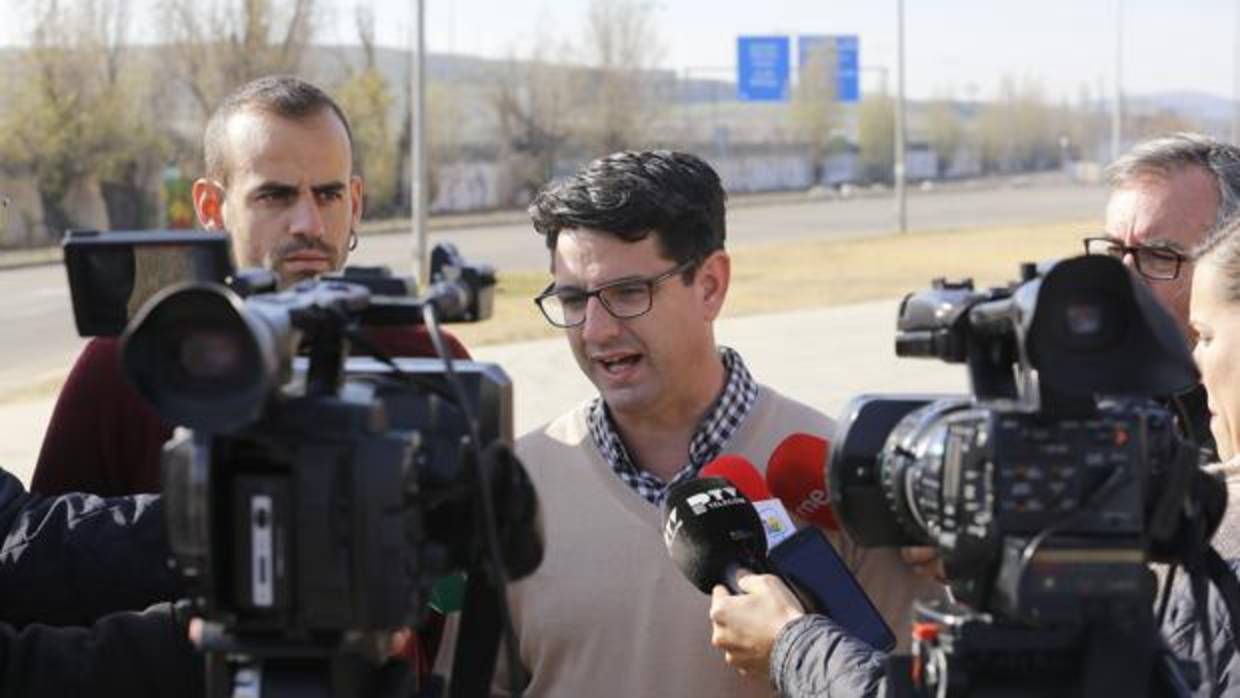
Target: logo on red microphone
x: 815, y: 500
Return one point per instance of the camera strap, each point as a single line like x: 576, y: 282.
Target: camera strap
x: 477, y: 649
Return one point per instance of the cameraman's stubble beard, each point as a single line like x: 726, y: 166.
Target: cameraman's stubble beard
x: 277, y: 259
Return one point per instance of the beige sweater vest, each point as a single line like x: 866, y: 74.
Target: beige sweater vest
x: 608, y: 613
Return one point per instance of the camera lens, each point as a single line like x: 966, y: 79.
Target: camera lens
x: 207, y: 354
x: 199, y: 359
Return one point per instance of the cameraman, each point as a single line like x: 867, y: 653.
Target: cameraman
x: 70, y: 560
x: 1169, y: 195
x: 280, y: 181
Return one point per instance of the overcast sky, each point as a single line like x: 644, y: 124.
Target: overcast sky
x: 962, y: 47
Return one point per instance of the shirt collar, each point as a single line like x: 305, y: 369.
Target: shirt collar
x: 721, y: 421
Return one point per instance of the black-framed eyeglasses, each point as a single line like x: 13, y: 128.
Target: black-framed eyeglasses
x: 1157, y: 263
x: 624, y: 299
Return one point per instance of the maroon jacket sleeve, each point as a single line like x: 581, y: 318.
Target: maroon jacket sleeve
x: 103, y: 437
x: 413, y: 341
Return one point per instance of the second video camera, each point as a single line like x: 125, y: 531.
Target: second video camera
x: 1049, y: 489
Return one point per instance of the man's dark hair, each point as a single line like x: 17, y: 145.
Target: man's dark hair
x: 675, y: 196
x: 282, y: 95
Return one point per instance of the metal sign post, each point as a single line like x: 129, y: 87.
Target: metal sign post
x: 901, y: 193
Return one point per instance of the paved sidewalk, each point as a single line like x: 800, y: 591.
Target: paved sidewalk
x: 822, y: 357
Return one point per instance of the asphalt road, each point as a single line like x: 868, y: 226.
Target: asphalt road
x: 41, y: 341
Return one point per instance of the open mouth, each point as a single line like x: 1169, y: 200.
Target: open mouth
x: 617, y: 364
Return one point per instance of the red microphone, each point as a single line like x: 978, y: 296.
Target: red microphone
x: 746, y: 478
x: 796, y: 474
x: 741, y: 473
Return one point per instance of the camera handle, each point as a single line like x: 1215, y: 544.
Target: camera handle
x: 473, y: 665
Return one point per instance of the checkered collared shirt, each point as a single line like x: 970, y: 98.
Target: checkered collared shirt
x: 721, y: 421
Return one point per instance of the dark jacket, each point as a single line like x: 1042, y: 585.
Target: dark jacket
x: 1184, y: 639
x: 76, y: 560
x: 814, y: 657
x: 125, y: 654
x: 70, y: 560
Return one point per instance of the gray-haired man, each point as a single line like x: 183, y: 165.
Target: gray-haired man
x: 1167, y: 195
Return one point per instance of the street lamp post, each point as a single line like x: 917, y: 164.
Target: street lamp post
x: 1235, y: 95
x: 1117, y: 113
x: 417, y: 150
x: 901, y: 193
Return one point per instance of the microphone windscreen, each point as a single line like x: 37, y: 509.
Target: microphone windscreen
x: 741, y: 473
x: 797, y: 475
x: 710, y: 530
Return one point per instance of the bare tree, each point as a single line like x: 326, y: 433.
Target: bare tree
x: 814, y: 111
x: 1019, y: 131
x: 79, y: 116
x: 596, y: 94
x: 876, y: 120
x: 536, y: 104
x: 366, y: 97
x: 222, y: 44
x: 622, y: 48
x: 944, y: 130
x: 1087, y: 126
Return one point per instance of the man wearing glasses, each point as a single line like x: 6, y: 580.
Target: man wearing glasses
x: 1167, y: 195
x: 640, y: 275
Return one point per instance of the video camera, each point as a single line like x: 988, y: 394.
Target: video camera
x: 315, y: 497
x: 1046, y: 492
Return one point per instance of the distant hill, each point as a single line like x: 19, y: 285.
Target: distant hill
x: 1198, y: 105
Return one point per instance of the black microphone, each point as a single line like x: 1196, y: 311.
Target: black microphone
x: 712, y: 532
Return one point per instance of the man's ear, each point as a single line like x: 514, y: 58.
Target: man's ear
x: 208, y: 204
x: 713, y: 277
x: 355, y: 194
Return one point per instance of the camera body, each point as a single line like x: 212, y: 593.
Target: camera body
x: 1048, y: 490
x: 313, y: 498
x: 981, y: 485
x: 335, y: 514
